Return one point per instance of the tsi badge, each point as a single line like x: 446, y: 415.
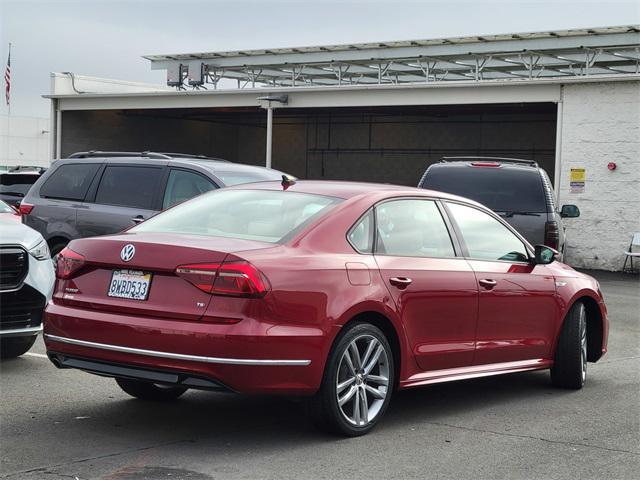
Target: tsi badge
x: 127, y: 252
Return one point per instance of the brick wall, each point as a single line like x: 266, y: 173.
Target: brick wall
x: 601, y: 124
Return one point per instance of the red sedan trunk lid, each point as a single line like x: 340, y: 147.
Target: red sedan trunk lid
x: 158, y: 254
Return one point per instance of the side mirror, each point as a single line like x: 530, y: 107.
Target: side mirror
x: 569, y: 211
x: 545, y: 255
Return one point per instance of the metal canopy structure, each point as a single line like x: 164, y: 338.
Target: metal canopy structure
x: 610, y: 51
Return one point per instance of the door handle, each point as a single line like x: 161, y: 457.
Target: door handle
x: 137, y: 219
x: 400, y: 282
x: 487, y: 283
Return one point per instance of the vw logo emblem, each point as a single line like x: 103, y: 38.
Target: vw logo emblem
x: 127, y: 252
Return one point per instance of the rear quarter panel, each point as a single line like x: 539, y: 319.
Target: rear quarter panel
x: 313, y: 295
x: 53, y: 218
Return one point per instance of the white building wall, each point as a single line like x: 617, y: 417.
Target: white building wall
x: 601, y: 124
x: 24, y: 141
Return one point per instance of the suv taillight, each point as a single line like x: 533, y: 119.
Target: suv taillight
x: 551, y: 234
x: 485, y: 164
x: 25, y: 208
x: 68, y: 262
x: 233, y: 278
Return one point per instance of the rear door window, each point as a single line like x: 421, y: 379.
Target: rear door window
x: 129, y: 186
x: 412, y: 228
x: 69, y: 182
x: 498, y: 188
x: 183, y: 185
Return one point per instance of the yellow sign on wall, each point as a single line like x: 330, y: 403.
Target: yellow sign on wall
x: 577, y: 180
x: 577, y: 174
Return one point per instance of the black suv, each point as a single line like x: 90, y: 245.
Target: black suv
x: 98, y: 193
x: 15, y: 183
x: 517, y: 190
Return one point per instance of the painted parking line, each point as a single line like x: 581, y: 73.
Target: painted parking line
x: 39, y: 355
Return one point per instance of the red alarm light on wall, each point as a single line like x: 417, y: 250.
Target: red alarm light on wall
x: 612, y: 166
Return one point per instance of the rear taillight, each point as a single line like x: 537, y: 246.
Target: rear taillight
x: 202, y: 275
x: 233, y: 278
x: 551, y: 234
x: 67, y: 263
x: 25, y: 208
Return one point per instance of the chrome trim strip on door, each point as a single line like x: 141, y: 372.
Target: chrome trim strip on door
x: 178, y: 356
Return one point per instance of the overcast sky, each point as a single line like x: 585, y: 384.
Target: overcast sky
x: 107, y: 38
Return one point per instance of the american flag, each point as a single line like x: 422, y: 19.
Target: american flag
x: 7, y: 79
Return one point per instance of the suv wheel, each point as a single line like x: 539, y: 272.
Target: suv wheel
x: 357, y: 384
x: 12, y: 347
x: 570, y: 364
x: 149, y: 391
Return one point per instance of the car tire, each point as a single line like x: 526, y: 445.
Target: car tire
x: 569, y: 368
x: 149, y: 391
x: 12, y: 347
x: 356, y: 389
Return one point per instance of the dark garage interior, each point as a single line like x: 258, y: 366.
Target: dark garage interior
x: 390, y: 144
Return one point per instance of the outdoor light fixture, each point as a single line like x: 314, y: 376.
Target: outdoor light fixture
x: 282, y: 99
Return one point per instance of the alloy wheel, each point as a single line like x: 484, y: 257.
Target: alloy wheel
x: 362, y: 383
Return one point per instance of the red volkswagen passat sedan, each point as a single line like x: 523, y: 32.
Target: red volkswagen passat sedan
x: 342, y: 292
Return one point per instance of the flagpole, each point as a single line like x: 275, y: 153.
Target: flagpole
x: 9, y: 61
x: 8, y: 112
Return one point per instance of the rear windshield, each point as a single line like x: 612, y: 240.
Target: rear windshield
x: 502, y: 190
x: 262, y: 215
x: 17, y: 184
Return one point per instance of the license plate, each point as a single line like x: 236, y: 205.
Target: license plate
x: 131, y: 284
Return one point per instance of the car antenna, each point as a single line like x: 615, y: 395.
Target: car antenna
x: 287, y: 181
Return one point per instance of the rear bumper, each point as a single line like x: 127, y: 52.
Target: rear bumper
x: 247, y: 357
x: 165, y: 377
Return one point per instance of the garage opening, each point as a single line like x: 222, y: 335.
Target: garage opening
x: 378, y: 144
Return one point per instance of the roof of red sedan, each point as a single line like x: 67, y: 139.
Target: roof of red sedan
x: 345, y: 190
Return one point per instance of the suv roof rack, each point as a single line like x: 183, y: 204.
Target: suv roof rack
x: 100, y: 153
x: 501, y: 159
x: 189, y: 155
x: 145, y: 154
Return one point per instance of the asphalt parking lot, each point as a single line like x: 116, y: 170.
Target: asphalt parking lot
x: 68, y: 424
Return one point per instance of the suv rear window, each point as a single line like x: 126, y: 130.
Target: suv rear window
x: 17, y: 184
x: 500, y: 189
x: 261, y: 215
x: 69, y: 182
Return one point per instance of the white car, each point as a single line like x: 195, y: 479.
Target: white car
x: 26, y: 285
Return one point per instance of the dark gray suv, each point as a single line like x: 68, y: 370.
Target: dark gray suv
x: 517, y: 190
x: 98, y: 193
